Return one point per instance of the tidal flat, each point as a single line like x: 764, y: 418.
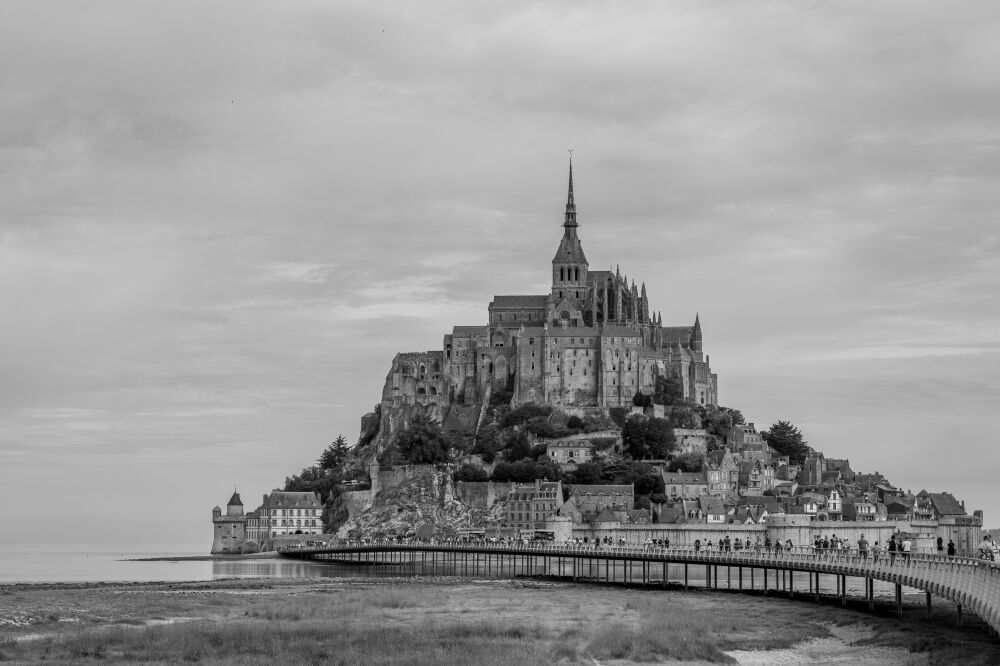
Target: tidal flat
x: 447, y: 621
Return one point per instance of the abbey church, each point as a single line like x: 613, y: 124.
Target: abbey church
x: 591, y: 341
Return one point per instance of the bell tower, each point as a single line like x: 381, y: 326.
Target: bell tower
x: 569, y: 266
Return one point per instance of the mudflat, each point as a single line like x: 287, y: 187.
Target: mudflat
x: 447, y: 621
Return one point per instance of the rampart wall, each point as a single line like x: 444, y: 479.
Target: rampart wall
x: 799, y: 529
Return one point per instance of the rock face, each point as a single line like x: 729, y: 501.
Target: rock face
x: 419, y: 506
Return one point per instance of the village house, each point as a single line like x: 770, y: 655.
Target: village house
x: 684, y: 485
x: 570, y: 453
x: 528, y: 505
x: 935, y: 506
x: 742, y: 435
x: 723, y: 473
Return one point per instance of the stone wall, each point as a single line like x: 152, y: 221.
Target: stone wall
x: 356, y: 501
x: 482, y: 494
x: 799, y: 529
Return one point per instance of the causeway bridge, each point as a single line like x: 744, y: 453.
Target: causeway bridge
x: 970, y: 583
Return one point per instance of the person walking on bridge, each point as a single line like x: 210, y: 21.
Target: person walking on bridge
x: 892, y: 549
x: 863, y: 547
x: 951, y: 548
x: 907, y: 547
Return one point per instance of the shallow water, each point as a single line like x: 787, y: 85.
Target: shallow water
x: 117, y: 562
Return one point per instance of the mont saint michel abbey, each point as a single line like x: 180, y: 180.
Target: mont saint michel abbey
x: 591, y: 341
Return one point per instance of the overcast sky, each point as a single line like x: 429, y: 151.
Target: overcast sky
x: 220, y: 221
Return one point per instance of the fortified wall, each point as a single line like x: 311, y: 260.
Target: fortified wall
x: 800, y: 529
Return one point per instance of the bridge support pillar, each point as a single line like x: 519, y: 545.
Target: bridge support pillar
x: 765, y: 581
x: 843, y: 591
x: 870, y: 592
x: 685, y: 576
x: 928, y: 605
x: 791, y: 584
x: 816, y: 586
x: 899, y: 600
x: 959, y: 616
x: 708, y: 576
x: 741, y: 577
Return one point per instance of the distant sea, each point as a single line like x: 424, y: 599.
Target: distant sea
x: 110, y: 562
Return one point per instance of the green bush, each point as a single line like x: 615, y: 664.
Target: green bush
x: 618, y: 415
x: 527, y: 412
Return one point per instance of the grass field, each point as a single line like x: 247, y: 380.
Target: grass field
x: 445, y: 621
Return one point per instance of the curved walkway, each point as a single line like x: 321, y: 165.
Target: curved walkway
x: 974, y: 584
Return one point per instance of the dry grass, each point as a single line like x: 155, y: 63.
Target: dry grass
x: 412, y: 622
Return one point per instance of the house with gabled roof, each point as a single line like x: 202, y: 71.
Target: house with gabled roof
x: 684, y: 485
x: 713, y: 509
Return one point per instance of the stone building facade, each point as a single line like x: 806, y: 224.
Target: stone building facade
x: 591, y: 341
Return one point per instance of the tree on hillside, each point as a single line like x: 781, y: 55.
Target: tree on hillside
x: 518, y: 446
x: 470, y: 472
x: 787, y: 440
x: 668, y: 391
x: 643, y: 477
x: 682, y: 416
x: 526, y: 471
x: 333, y: 456
x: 618, y: 415
x: 644, y: 437
x: 640, y: 399
x: 323, y: 482
x: 735, y: 413
x: 687, y: 462
x: 422, y: 442
x: 587, y: 473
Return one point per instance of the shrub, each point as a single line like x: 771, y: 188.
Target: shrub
x: 603, y: 443
x: 526, y: 412
x: 470, y: 472
x: 618, y: 415
x: 500, y: 397
x: 575, y: 423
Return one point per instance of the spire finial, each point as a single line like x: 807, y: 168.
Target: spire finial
x: 570, y: 201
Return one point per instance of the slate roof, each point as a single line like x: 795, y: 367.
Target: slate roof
x: 685, y: 477
x: 469, y: 331
x: 597, y: 276
x: 711, y: 505
x: 581, y: 490
x: 671, y: 515
x: 280, y: 499
x: 524, y: 301
x: 674, y: 334
x: 945, y: 504
x: 606, y: 516
x: 235, y: 499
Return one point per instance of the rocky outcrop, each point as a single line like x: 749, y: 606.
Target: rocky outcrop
x: 420, y: 506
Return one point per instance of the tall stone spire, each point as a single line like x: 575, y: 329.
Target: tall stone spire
x: 570, y: 202
x: 696, y: 342
x: 569, y: 265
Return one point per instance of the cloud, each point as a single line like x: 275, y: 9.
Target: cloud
x: 215, y: 234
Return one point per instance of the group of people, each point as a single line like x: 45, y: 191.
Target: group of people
x: 727, y: 545
x: 988, y: 549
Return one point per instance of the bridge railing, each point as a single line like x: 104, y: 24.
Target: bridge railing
x: 759, y: 556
